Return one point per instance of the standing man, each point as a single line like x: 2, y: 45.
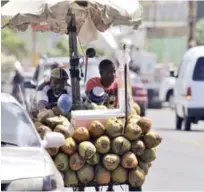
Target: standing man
x: 107, y: 81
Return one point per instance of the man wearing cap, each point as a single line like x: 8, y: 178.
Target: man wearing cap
x: 49, y: 92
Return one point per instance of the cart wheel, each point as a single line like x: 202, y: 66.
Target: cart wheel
x: 80, y: 188
x: 135, y: 188
x: 110, y: 188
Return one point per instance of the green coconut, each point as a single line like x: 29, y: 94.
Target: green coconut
x: 87, y: 149
x: 120, y: 145
x: 103, y: 144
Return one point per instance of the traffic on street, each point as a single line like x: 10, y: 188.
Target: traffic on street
x: 102, y: 95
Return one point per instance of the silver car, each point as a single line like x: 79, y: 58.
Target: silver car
x: 25, y: 164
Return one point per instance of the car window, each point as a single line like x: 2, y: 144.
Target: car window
x: 16, y: 127
x: 198, y: 74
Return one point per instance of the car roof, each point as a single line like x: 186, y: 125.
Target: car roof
x: 194, y: 53
x: 7, y: 98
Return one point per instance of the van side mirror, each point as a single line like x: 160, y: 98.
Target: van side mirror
x: 90, y: 52
x: 173, y: 74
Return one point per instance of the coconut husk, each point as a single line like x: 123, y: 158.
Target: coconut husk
x: 54, y: 121
x: 44, y: 115
x: 42, y: 130
x: 53, y: 151
x: 62, y: 129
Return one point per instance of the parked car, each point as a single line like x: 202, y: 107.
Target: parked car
x: 139, y: 93
x: 189, y: 89
x: 166, y: 91
x: 25, y: 164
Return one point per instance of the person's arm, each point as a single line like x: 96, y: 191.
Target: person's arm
x: 42, y: 99
x: 91, y: 83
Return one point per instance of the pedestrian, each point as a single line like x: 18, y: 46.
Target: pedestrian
x: 49, y: 92
x: 18, y: 90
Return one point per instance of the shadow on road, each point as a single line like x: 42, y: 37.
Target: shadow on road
x: 174, y: 130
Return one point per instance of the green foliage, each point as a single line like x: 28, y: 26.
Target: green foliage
x: 62, y: 49
x: 199, y: 33
x: 7, y: 63
x: 12, y: 44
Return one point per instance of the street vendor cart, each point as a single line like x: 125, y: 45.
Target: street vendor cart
x: 81, y: 20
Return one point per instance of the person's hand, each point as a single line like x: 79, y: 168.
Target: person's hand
x: 56, y: 110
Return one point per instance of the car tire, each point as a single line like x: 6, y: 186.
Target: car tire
x: 142, y: 114
x: 187, y: 123
x: 179, y: 121
x: 171, y: 101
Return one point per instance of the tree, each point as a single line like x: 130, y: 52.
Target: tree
x: 199, y: 32
x: 12, y: 44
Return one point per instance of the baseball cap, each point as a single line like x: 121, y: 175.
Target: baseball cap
x: 59, y: 73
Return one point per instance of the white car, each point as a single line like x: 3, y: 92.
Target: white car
x: 25, y: 164
x: 166, y: 93
x: 189, y: 89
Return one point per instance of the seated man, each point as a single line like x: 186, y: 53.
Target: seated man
x: 107, y: 81
x: 49, y: 92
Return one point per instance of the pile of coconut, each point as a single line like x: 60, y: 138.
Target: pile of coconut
x: 103, y: 153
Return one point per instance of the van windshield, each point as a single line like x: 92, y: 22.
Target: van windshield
x: 198, y: 74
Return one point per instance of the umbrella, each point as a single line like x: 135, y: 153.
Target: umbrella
x: 54, y: 15
x: 73, y: 17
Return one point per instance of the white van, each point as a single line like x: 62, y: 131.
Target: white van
x: 189, y: 89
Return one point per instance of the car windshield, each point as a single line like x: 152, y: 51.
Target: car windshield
x: 198, y: 74
x: 16, y: 128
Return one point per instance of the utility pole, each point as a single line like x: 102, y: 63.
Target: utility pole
x: 191, y: 23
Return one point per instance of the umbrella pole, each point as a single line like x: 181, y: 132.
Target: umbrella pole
x: 74, y: 60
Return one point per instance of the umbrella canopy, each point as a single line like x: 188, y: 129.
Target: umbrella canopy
x: 53, y: 15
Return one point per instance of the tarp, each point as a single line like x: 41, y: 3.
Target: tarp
x: 53, y: 15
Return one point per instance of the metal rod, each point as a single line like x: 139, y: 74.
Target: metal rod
x: 74, y: 60
x: 126, y: 97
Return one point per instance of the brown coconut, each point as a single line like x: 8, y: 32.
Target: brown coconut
x: 76, y: 162
x: 70, y: 146
x: 102, y: 176
x: 138, y: 147
x: 81, y: 134
x: 96, y: 129
x: 145, y: 124
x: 152, y: 139
x: 136, y: 177
x: 42, y: 130
x: 53, y: 151
x: 129, y: 160
x: 63, y: 130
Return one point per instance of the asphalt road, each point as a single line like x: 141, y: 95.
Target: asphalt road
x: 180, y: 157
